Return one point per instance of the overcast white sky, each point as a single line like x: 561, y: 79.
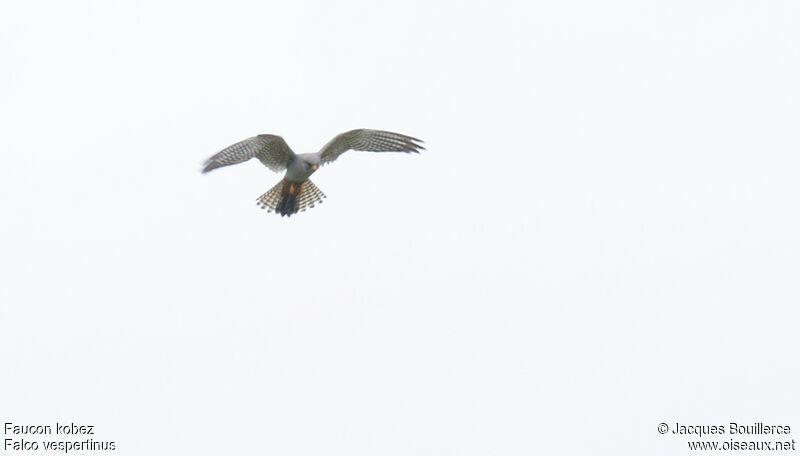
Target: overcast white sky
x: 602, y: 235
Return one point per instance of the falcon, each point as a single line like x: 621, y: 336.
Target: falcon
x: 296, y: 192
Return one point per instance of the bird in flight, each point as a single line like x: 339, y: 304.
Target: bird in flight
x: 296, y: 192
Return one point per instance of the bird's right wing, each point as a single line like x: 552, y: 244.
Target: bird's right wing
x: 271, y: 150
x: 368, y: 140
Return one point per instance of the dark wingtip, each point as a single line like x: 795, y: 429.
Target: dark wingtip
x: 209, y: 166
x: 416, y: 145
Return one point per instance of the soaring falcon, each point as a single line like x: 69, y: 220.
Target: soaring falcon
x: 296, y: 192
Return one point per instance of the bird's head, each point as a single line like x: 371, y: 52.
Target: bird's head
x: 311, y: 163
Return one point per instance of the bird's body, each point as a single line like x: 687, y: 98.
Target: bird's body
x: 302, y: 167
x: 296, y: 192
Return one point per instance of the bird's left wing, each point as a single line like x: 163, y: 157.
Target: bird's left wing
x: 371, y: 140
x: 271, y: 150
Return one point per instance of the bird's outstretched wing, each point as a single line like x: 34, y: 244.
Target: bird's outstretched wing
x: 272, y: 150
x: 371, y: 140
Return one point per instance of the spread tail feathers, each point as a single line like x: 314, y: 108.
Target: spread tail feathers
x: 288, y: 197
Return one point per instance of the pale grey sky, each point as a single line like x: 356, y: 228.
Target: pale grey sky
x: 601, y: 236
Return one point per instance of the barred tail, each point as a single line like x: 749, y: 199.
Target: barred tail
x: 288, y: 197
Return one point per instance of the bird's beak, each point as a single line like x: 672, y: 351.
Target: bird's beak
x: 314, y: 167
